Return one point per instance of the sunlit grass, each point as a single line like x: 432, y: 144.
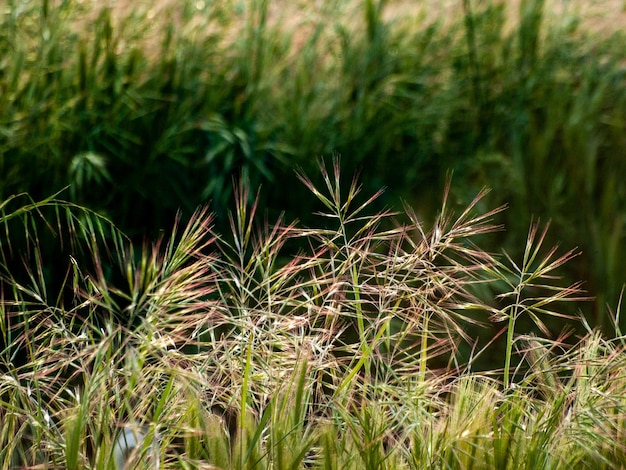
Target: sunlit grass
x: 227, y: 352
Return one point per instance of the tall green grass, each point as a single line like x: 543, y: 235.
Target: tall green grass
x: 147, y: 110
x: 344, y: 356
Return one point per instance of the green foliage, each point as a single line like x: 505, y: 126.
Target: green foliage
x: 229, y: 354
x: 147, y: 111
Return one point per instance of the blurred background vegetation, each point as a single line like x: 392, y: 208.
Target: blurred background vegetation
x: 139, y: 110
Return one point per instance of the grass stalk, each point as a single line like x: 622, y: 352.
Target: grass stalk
x: 231, y: 351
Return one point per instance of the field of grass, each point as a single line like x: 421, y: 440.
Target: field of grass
x: 347, y: 356
x: 340, y: 334
x: 141, y: 110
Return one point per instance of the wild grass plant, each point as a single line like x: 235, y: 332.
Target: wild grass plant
x: 228, y: 352
x: 147, y: 109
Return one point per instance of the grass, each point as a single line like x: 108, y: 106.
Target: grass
x: 230, y: 353
x: 365, y: 341
x: 146, y: 110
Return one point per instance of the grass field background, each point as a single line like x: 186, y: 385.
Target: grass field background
x: 423, y: 326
